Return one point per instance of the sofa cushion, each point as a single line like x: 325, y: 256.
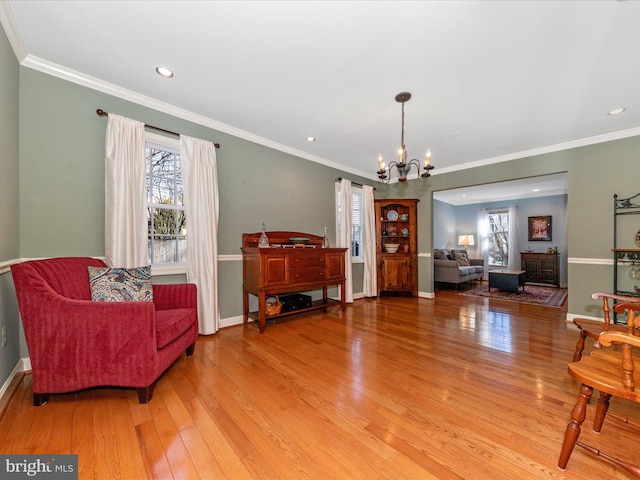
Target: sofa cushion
x: 462, y: 258
x: 121, y: 284
x: 439, y: 254
x: 479, y: 268
x: 170, y: 324
x: 467, y: 270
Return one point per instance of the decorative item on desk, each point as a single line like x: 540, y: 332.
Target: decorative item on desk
x: 555, y: 249
x: 403, y: 165
x: 325, y: 239
x: 549, y: 250
x: 264, y: 240
x: 299, y: 240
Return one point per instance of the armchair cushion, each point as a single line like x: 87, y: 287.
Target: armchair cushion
x: 121, y: 284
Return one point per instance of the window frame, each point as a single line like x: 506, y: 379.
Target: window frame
x: 357, y: 244
x: 490, y: 233
x: 169, y: 144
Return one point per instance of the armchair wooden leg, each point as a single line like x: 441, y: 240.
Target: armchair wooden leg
x: 601, y: 411
x: 40, y: 399
x: 145, y: 393
x: 578, y: 415
x: 577, y: 355
x: 190, y: 349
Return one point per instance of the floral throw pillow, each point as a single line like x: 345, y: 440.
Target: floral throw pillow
x: 461, y: 258
x: 121, y: 284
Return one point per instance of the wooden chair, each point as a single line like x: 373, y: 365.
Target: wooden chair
x: 593, y: 328
x: 611, y: 372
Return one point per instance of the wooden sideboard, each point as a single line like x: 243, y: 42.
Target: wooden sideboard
x: 283, y: 268
x: 541, y: 267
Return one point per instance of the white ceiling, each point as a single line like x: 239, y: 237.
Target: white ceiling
x: 491, y: 80
x: 533, y: 187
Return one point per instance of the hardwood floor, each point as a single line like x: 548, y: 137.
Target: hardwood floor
x: 397, y: 388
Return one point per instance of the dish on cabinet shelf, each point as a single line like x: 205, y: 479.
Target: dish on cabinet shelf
x: 392, y: 215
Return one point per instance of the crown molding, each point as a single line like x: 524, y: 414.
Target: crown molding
x: 11, y: 29
x: 582, y: 142
x: 8, y: 21
x: 79, y: 78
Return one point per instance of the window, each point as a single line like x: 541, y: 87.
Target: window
x: 499, y: 238
x: 356, y: 221
x: 167, y: 226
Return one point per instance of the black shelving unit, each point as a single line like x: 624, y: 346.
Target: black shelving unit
x: 622, y: 253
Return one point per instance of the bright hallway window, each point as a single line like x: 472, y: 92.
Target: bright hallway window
x: 499, y: 238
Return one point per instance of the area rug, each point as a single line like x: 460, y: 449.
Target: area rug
x: 551, y: 297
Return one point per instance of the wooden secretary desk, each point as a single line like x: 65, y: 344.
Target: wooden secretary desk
x: 285, y: 268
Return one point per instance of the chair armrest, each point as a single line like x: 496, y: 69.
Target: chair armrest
x: 175, y: 295
x: 598, y: 295
x: 607, y: 338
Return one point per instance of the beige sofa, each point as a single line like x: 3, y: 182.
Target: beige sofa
x: 449, y: 266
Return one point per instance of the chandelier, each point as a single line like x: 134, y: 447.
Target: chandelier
x: 403, y: 166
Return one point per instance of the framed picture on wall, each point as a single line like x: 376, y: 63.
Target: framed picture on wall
x: 540, y: 229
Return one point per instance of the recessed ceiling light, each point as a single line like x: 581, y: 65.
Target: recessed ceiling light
x: 616, y: 111
x: 535, y: 190
x: 164, y: 72
x: 310, y: 139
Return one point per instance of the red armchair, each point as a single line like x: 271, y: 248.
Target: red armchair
x: 75, y: 343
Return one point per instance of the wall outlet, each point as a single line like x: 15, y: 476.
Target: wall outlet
x: 4, y: 336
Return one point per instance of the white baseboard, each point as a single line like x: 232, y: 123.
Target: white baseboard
x: 23, y: 365
x: 429, y: 295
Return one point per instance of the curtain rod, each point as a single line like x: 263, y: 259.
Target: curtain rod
x: 339, y: 179
x: 102, y: 113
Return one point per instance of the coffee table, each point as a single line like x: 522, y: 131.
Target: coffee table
x: 507, y: 280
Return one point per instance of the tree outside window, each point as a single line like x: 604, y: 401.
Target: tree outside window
x: 498, y: 238
x: 167, y: 226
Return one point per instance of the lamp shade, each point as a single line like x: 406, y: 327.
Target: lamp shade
x: 466, y: 240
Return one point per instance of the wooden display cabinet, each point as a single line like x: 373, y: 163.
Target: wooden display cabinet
x: 396, y: 223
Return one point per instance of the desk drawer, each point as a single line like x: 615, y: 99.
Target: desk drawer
x: 303, y: 261
x: 306, y: 275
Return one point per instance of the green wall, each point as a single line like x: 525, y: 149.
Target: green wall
x: 9, y: 213
x: 62, y: 180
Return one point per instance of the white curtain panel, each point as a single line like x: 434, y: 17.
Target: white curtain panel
x: 370, y: 282
x: 344, y: 237
x: 483, y: 237
x: 125, y: 194
x: 200, y: 180
x: 514, y: 258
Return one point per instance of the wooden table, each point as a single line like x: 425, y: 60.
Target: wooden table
x: 288, y: 269
x: 507, y: 280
